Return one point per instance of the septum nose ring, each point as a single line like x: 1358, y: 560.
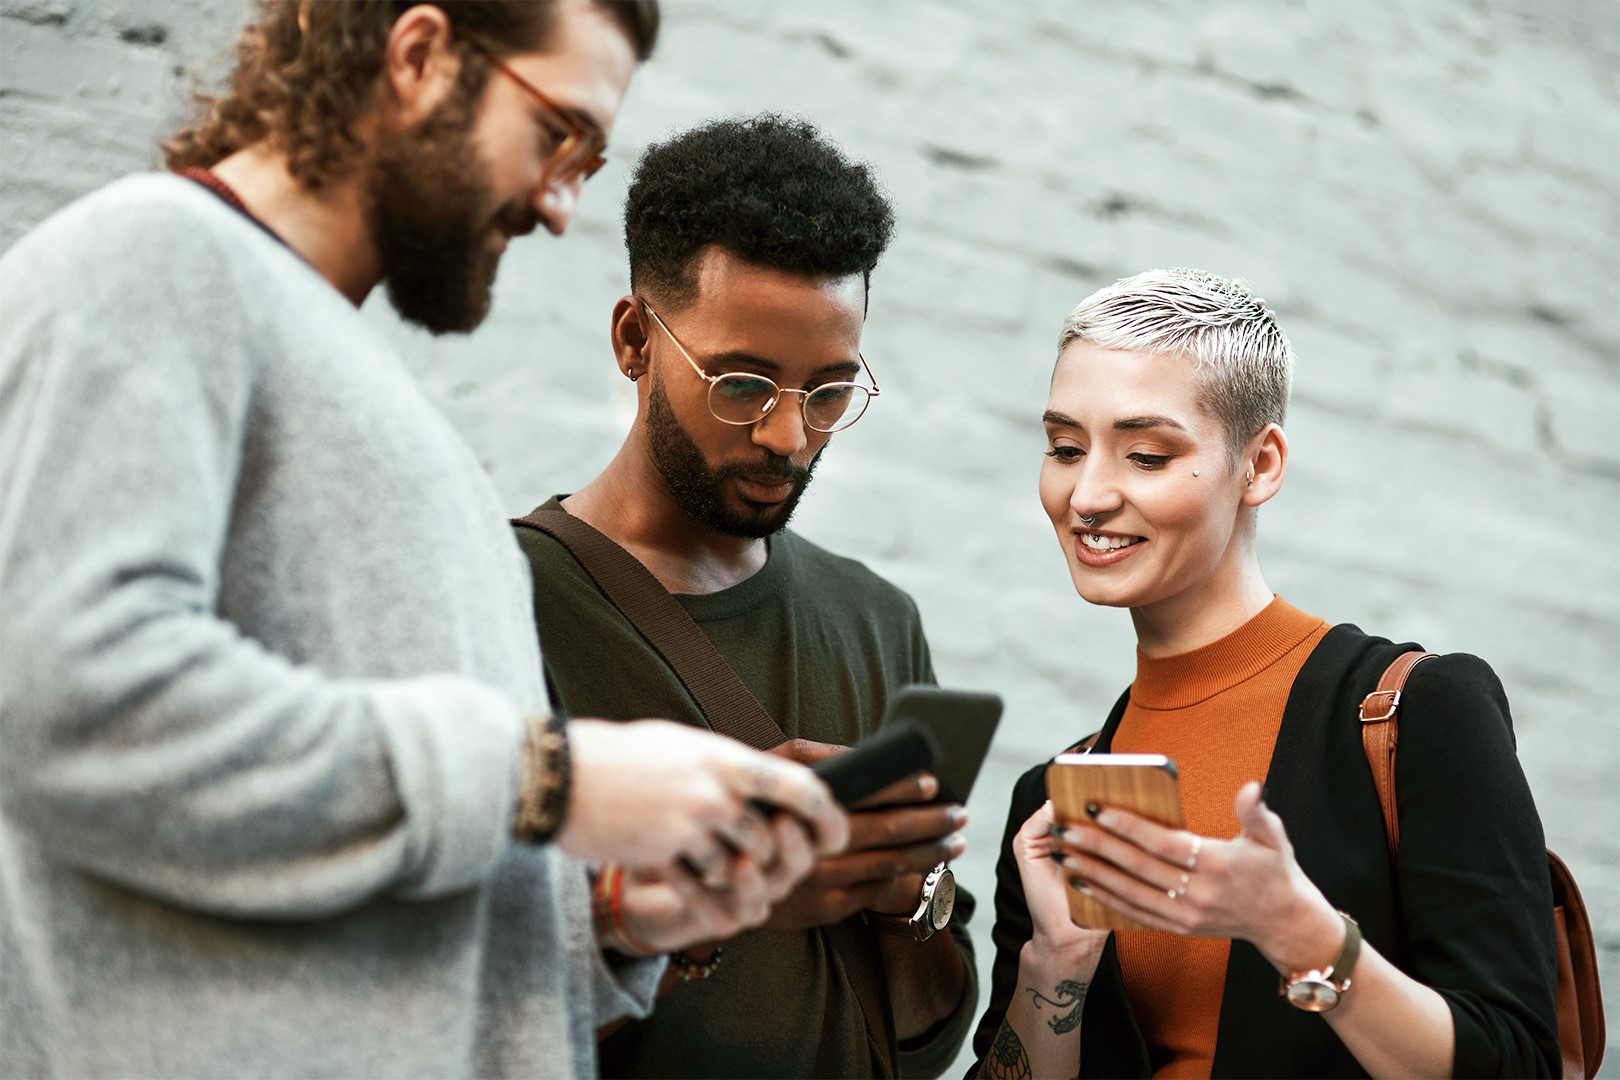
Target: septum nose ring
x: 1088, y: 520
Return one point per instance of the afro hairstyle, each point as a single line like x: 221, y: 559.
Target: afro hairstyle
x: 769, y: 189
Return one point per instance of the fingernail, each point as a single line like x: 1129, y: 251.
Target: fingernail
x: 1092, y: 810
x: 957, y: 816
x: 1079, y: 888
x: 928, y: 785
x: 1058, y: 831
x: 955, y: 843
x: 1105, y: 819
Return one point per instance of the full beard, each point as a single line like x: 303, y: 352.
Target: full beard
x: 699, y: 488
x: 431, y: 221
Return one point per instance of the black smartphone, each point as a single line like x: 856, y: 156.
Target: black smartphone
x: 961, y: 724
x: 947, y: 732
x: 891, y: 752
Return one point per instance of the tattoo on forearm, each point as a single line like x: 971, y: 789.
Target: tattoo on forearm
x: 1071, y: 995
x: 1007, y: 1059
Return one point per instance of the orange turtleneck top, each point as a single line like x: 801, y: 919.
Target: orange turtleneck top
x: 1215, y: 711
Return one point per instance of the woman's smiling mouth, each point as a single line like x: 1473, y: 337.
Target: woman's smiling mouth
x: 1100, y: 543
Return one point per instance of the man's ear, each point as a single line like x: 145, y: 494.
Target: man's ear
x: 420, y: 65
x: 630, y: 331
x: 1266, y: 460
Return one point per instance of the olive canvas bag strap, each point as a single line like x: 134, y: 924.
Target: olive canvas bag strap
x: 725, y: 700
x: 728, y: 705
x: 1581, y: 1031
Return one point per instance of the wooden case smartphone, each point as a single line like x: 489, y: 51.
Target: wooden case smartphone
x: 1144, y: 784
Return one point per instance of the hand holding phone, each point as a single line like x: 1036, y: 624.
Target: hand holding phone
x: 897, y: 839
x: 946, y: 732
x: 1080, y: 784
x: 892, y: 752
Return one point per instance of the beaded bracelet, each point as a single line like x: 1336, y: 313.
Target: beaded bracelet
x: 691, y: 970
x: 543, y: 796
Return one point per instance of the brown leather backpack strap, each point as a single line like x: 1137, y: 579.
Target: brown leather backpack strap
x: 728, y: 704
x: 1380, y: 731
x: 1579, y: 998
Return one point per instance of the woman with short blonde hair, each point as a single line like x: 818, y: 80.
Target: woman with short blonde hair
x: 1164, y: 438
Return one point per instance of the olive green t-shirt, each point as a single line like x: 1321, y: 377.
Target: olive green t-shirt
x: 822, y: 642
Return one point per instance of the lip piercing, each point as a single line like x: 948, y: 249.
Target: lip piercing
x: 1088, y: 520
x: 1192, y: 859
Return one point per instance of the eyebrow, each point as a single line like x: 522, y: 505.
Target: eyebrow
x: 578, y: 116
x: 1144, y: 423
x: 584, y: 120
x: 1054, y: 418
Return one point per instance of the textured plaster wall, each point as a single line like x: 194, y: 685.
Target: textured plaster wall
x: 1427, y: 194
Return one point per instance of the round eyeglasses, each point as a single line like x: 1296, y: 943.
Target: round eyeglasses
x: 743, y: 398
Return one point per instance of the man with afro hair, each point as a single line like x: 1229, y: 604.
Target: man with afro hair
x: 752, y: 243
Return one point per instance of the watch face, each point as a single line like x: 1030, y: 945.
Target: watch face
x: 1313, y: 995
x: 944, y: 901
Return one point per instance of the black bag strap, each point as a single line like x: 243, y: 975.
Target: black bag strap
x: 727, y: 703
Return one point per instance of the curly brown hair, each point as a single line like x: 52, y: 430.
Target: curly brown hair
x: 305, y: 71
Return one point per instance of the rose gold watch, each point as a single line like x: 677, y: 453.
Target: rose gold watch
x: 1319, y: 990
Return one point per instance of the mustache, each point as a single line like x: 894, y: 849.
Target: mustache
x: 772, y: 468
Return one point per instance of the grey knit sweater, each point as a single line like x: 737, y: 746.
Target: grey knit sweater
x: 265, y: 647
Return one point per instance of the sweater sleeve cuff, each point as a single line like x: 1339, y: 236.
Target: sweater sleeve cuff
x: 625, y: 985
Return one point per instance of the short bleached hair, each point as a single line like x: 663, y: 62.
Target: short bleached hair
x: 1243, y: 361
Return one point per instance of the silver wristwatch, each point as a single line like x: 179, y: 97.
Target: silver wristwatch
x: 933, y: 912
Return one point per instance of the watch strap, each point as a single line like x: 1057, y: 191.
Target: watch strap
x: 900, y: 926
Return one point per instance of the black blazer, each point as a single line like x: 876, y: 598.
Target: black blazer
x: 1467, y: 909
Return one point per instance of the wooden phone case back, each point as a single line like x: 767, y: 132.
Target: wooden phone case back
x: 1148, y: 790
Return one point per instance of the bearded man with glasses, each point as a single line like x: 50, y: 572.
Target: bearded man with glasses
x: 751, y: 246
x: 282, y: 792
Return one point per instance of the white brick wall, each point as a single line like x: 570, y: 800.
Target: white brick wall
x: 1426, y: 192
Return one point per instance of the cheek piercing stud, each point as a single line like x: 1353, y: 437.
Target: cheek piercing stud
x: 1195, y: 472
